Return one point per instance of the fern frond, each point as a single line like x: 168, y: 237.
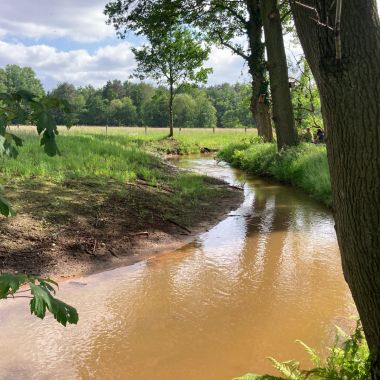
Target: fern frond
x: 314, y: 357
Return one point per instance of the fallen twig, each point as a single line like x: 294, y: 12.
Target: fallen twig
x: 113, y: 253
x: 143, y: 233
x: 178, y: 225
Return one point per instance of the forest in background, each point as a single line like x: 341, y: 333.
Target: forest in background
x: 130, y: 103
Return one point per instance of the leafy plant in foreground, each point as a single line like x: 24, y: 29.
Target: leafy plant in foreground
x: 41, y: 293
x: 36, y: 110
x: 347, y: 360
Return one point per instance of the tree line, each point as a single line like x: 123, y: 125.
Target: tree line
x: 138, y: 104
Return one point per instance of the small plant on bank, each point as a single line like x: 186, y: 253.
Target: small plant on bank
x: 347, y: 360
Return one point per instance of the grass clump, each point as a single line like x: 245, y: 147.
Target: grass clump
x: 348, y: 359
x: 304, y: 166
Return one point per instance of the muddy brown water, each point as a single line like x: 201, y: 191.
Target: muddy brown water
x: 266, y: 275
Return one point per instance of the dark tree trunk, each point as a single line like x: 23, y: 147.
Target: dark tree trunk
x: 256, y: 64
x: 171, y: 115
x: 260, y: 107
x: 278, y: 73
x: 350, y: 91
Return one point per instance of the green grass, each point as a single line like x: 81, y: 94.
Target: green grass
x: 103, y: 165
x: 304, y: 166
x: 189, y: 140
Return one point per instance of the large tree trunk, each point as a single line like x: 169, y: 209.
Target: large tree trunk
x: 350, y: 91
x: 278, y: 73
x: 171, y: 113
x: 261, y: 115
x: 256, y: 64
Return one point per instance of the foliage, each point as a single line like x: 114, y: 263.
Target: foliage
x: 122, y: 111
x: 14, y: 78
x: 304, y: 166
x: 96, y: 106
x: 233, y: 100
x: 346, y: 360
x: 38, y: 111
x: 305, y: 97
x: 66, y: 92
x: 41, y: 296
x: 173, y: 58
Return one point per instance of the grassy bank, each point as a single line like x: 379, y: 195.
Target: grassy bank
x: 304, y: 166
x: 102, y: 195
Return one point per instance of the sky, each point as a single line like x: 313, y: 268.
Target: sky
x: 68, y: 40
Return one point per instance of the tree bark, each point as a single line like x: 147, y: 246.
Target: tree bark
x: 278, y: 73
x: 257, y: 69
x: 171, y: 115
x: 350, y: 88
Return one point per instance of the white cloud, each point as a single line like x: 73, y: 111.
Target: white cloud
x: 109, y: 62
x: 81, y: 21
x: 227, y: 67
x: 76, y: 66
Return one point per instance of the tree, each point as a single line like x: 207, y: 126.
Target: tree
x: 224, y: 22
x: 184, y: 108
x: 95, y: 111
x: 14, y: 78
x: 67, y: 92
x: 342, y: 47
x: 122, y: 111
x: 305, y: 97
x: 140, y: 93
x: 206, y: 115
x: 230, y: 119
x: 113, y: 90
x: 154, y: 111
x: 278, y: 73
x: 174, y: 58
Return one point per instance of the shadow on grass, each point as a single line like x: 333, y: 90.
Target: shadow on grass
x: 86, y: 222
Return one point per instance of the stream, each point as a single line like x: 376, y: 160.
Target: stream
x: 267, y: 274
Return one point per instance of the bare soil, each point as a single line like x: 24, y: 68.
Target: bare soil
x: 80, y: 227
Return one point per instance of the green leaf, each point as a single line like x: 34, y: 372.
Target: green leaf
x: 314, y: 357
x: 43, y: 300
x: 5, y: 208
x: 49, y: 143
x: 290, y: 369
x: 10, y: 283
x: 11, y: 137
x: 24, y: 95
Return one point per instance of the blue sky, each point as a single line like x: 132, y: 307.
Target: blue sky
x: 68, y: 40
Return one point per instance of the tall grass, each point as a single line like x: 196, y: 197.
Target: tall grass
x: 186, y: 141
x: 82, y: 156
x: 106, y: 162
x: 304, y: 166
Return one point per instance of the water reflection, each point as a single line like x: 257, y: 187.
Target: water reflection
x: 263, y: 277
